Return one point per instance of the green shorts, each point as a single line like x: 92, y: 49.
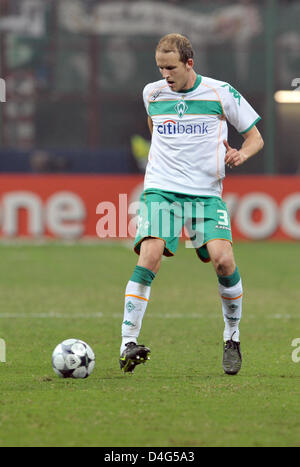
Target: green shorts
x: 169, y: 216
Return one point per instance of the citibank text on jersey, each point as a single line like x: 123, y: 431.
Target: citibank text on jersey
x: 170, y: 127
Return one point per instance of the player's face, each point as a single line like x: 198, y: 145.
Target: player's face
x: 176, y: 73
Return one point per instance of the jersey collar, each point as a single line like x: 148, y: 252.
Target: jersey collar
x: 197, y: 82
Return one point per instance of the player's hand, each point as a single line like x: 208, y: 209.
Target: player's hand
x: 233, y: 157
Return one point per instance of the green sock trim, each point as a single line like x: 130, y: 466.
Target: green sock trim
x: 142, y: 275
x: 230, y: 281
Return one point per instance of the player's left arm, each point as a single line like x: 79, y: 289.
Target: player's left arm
x: 252, y: 145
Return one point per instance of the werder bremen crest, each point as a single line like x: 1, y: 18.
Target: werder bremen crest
x: 181, y: 108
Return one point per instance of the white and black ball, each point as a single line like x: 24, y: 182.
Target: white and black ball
x: 73, y: 358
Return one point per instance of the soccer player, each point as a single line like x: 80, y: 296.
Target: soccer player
x: 187, y: 117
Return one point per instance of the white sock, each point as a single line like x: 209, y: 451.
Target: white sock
x: 232, y: 310
x: 136, y: 301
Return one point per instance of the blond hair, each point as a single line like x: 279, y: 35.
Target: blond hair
x: 176, y: 43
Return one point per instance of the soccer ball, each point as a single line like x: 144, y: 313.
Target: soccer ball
x: 73, y: 358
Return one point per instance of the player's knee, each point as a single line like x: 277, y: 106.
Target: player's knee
x: 151, y: 254
x: 224, y: 264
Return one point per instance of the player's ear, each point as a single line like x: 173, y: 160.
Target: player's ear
x: 190, y: 64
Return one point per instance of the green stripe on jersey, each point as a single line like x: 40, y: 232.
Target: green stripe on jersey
x: 251, y: 126
x: 183, y: 107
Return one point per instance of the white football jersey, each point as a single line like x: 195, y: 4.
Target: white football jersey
x: 187, y: 151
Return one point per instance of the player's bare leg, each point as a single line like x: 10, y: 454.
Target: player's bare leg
x: 151, y: 253
x: 231, y: 292
x: 222, y: 258
x: 137, y: 296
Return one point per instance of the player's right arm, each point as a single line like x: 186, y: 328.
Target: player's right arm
x: 150, y: 125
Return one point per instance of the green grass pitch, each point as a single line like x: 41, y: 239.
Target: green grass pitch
x: 181, y: 398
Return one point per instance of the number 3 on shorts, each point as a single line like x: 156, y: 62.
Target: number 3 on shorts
x: 223, y: 217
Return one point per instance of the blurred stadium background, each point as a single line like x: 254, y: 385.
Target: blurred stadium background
x: 73, y: 132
